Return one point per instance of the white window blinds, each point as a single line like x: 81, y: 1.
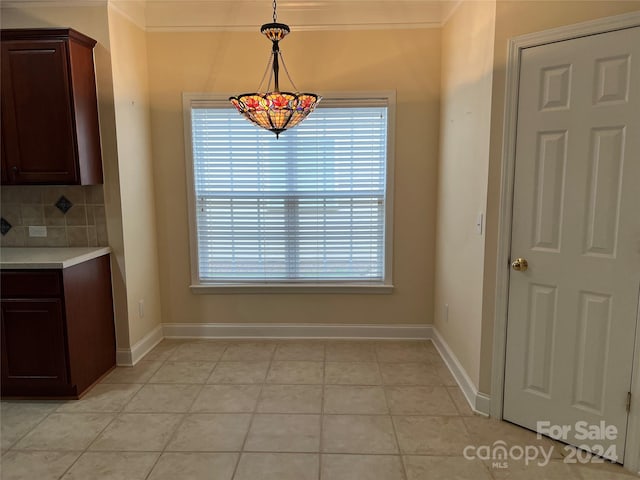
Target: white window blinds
x: 309, y: 207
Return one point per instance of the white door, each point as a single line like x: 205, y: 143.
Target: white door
x: 576, y: 220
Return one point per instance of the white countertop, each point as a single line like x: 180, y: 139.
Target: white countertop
x: 48, y: 257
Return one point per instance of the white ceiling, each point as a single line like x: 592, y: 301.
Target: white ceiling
x: 250, y: 14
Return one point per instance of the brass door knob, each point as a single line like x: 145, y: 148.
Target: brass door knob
x: 520, y: 265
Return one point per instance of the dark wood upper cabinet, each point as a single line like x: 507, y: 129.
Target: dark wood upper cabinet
x: 50, y: 132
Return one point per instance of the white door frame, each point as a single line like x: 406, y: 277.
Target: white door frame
x: 516, y: 45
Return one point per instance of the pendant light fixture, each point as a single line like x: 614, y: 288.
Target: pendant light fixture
x: 275, y: 110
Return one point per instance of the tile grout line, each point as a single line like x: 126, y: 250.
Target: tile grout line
x: 460, y: 414
x: 115, y: 416
x: 86, y: 449
x: 322, y: 398
x: 393, y: 425
x: 12, y: 447
x: 306, y: 452
x: 253, y: 414
x: 159, y: 454
x: 162, y: 363
x: 184, y: 414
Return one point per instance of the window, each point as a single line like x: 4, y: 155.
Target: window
x: 309, y: 209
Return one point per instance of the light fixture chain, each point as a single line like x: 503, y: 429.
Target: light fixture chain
x: 275, y: 15
x: 286, y: 70
x: 265, y: 73
x: 270, y: 77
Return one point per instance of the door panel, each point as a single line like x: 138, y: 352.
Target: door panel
x: 573, y: 313
x: 540, y: 320
x: 605, y: 185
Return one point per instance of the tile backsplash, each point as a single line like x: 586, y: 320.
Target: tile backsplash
x: 73, y: 216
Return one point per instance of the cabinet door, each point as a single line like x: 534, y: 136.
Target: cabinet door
x: 33, y: 346
x: 37, y: 121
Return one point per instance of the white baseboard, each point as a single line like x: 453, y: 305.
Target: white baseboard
x: 127, y: 357
x: 483, y: 404
x: 300, y: 331
x: 479, y: 402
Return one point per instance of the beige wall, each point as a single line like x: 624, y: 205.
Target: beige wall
x: 92, y: 21
x: 467, y: 62
x: 133, y: 128
x: 227, y: 62
x: 517, y: 18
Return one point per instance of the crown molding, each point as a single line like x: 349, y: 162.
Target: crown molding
x: 297, y: 28
x: 51, y: 3
x: 248, y: 15
x: 132, y: 10
x: 450, y: 9
x: 302, y: 16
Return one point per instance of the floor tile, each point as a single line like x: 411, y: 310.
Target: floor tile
x: 284, y: 433
x: 555, y: 470
x: 402, y: 352
x: 198, y: 352
x: 191, y: 404
x: 103, y: 397
x: 432, y: 351
x: 248, y: 352
x: 278, y: 466
x: 20, y: 465
x: 290, y: 399
x: 358, y: 434
x: 294, y: 372
x: 183, y: 372
x: 141, y: 373
x: 460, y: 401
x: 409, y: 374
x: 65, y: 431
x: 194, y: 466
x: 445, y: 375
x: 420, y: 400
x: 163, y: 350
x: 304, y: 351
x: 432, y: 435
x: 354, y: 399
x: 485, y: 431
x: 239, y: 372
x: 112, y: 466
x: 350, y: 352
x: 226, y: 399
x: 451, y: 468
x: 138, y: 432
x: 19, y: 417
x: 361, y: 467
x: 206, y: 432
x: 352, y: 373
x: 163, y: 398
x: 597, y: 471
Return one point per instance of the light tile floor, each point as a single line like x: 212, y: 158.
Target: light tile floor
x: 262, y: 410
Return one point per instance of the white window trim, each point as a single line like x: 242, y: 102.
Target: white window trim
x: 354, y: 98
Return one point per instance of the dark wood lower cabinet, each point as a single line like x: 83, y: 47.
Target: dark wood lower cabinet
x: 33, y: 344
x: 57, y: 329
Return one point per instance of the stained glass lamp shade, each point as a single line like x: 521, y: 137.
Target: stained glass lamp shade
x: 275, y: 110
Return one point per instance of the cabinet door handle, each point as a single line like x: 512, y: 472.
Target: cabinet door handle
x: 14, y: 172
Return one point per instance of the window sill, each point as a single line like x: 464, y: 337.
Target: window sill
x: 232, y: 288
